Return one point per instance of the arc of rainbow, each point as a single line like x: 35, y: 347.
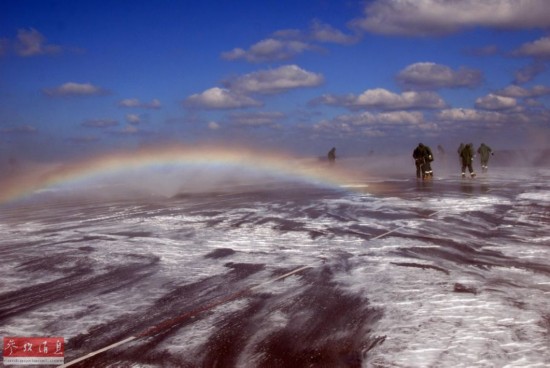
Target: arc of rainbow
x: 271, y: 162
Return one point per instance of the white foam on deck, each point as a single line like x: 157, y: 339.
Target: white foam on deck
x: 426, y: 323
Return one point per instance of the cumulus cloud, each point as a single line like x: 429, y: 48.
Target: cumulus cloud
x: 383, y: 99
x: 521, y: 92
x: 268, y: 50
x: 129, y: 129
x: 529, y: 72
x: 134, y: 102
x: 496, y: 102
x: 374, y: 124
x: 438, y: 17
x: 237, y: 91
x: 99, y: 123
x: 488, y: 50
x: 220, y: 98
x: 75, y: 89
x: 427, y: 75
x: 459, y: 115
x: 532, y: 102
x: 323, y: 32
x: 213, y: 125
x: 21, y: 129
x: 83, y: 139
x: 257, y: 119
x: 273, y: 81
x: 393, y: 118
x: 537, y: 49
x: 133, y: 119
x: 31, y: 42
x: 289, y: 43
x: 346, y: 130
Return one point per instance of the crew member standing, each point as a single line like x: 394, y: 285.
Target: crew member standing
x: 459, y: 151
x: 484, y: 152
x: 428, y: 164
x: 422, y: 155
x: 418, y: 156
x: 332, y: 155
x: 467, y: 156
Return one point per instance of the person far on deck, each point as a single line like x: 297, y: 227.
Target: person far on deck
x: 332, y: 155
x: 467, y: 156
x: 484, y: 152
x: 459, y: 151
x: 423, y: 157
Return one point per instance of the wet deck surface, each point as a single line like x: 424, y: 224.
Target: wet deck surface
x: 449, y: 273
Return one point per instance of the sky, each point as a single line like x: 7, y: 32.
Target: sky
x: 79, y: 78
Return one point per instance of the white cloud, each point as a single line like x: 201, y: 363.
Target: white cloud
x: 495, y: 102
x: 334, y: 127
x: 133, y: 119
x: 257, y: 119
x: 537, y: 49
x: 323, y: 32
x: 31, y: 42
x: 220, y: 98
x: 394, y: 118
x: 213, y: 125
x: 134, y: 102
x: 75, y: 89
x: 275, y: 80
x: 22, y: 129
x: 521, y: 92
x: 100, y: 123
x: 433, y: 76
x: 290, y: 34
x: 383, y: 99
x: 268, y: 50
x: 289, y: 43
x: 237, y: 93
x: 129, y: 129
x: 459, y: 114
x: 436, y: 17
x: 529, y: 72
x: 374, y: 124
x: 483, y: 51
x: 495, y: 118
x: 532, y: 102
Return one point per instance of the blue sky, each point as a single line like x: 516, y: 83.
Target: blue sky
x: 300, y: 76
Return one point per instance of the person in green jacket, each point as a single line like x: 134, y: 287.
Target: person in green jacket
x: 467, y: 156
x: 484, y: 152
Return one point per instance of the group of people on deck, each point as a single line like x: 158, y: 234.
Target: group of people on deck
x: 423, y: 157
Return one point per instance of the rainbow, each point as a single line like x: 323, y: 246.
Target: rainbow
x: 311, y: 170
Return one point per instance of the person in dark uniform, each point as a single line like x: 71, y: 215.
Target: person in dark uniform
x: 460, y: 148
x: 484, y: 152
x: 422, y: 158
x: 459, y: 151
x: 428, y: 164
x: 467, y: 156
x: 418, y: 156
x: 331, y: 155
